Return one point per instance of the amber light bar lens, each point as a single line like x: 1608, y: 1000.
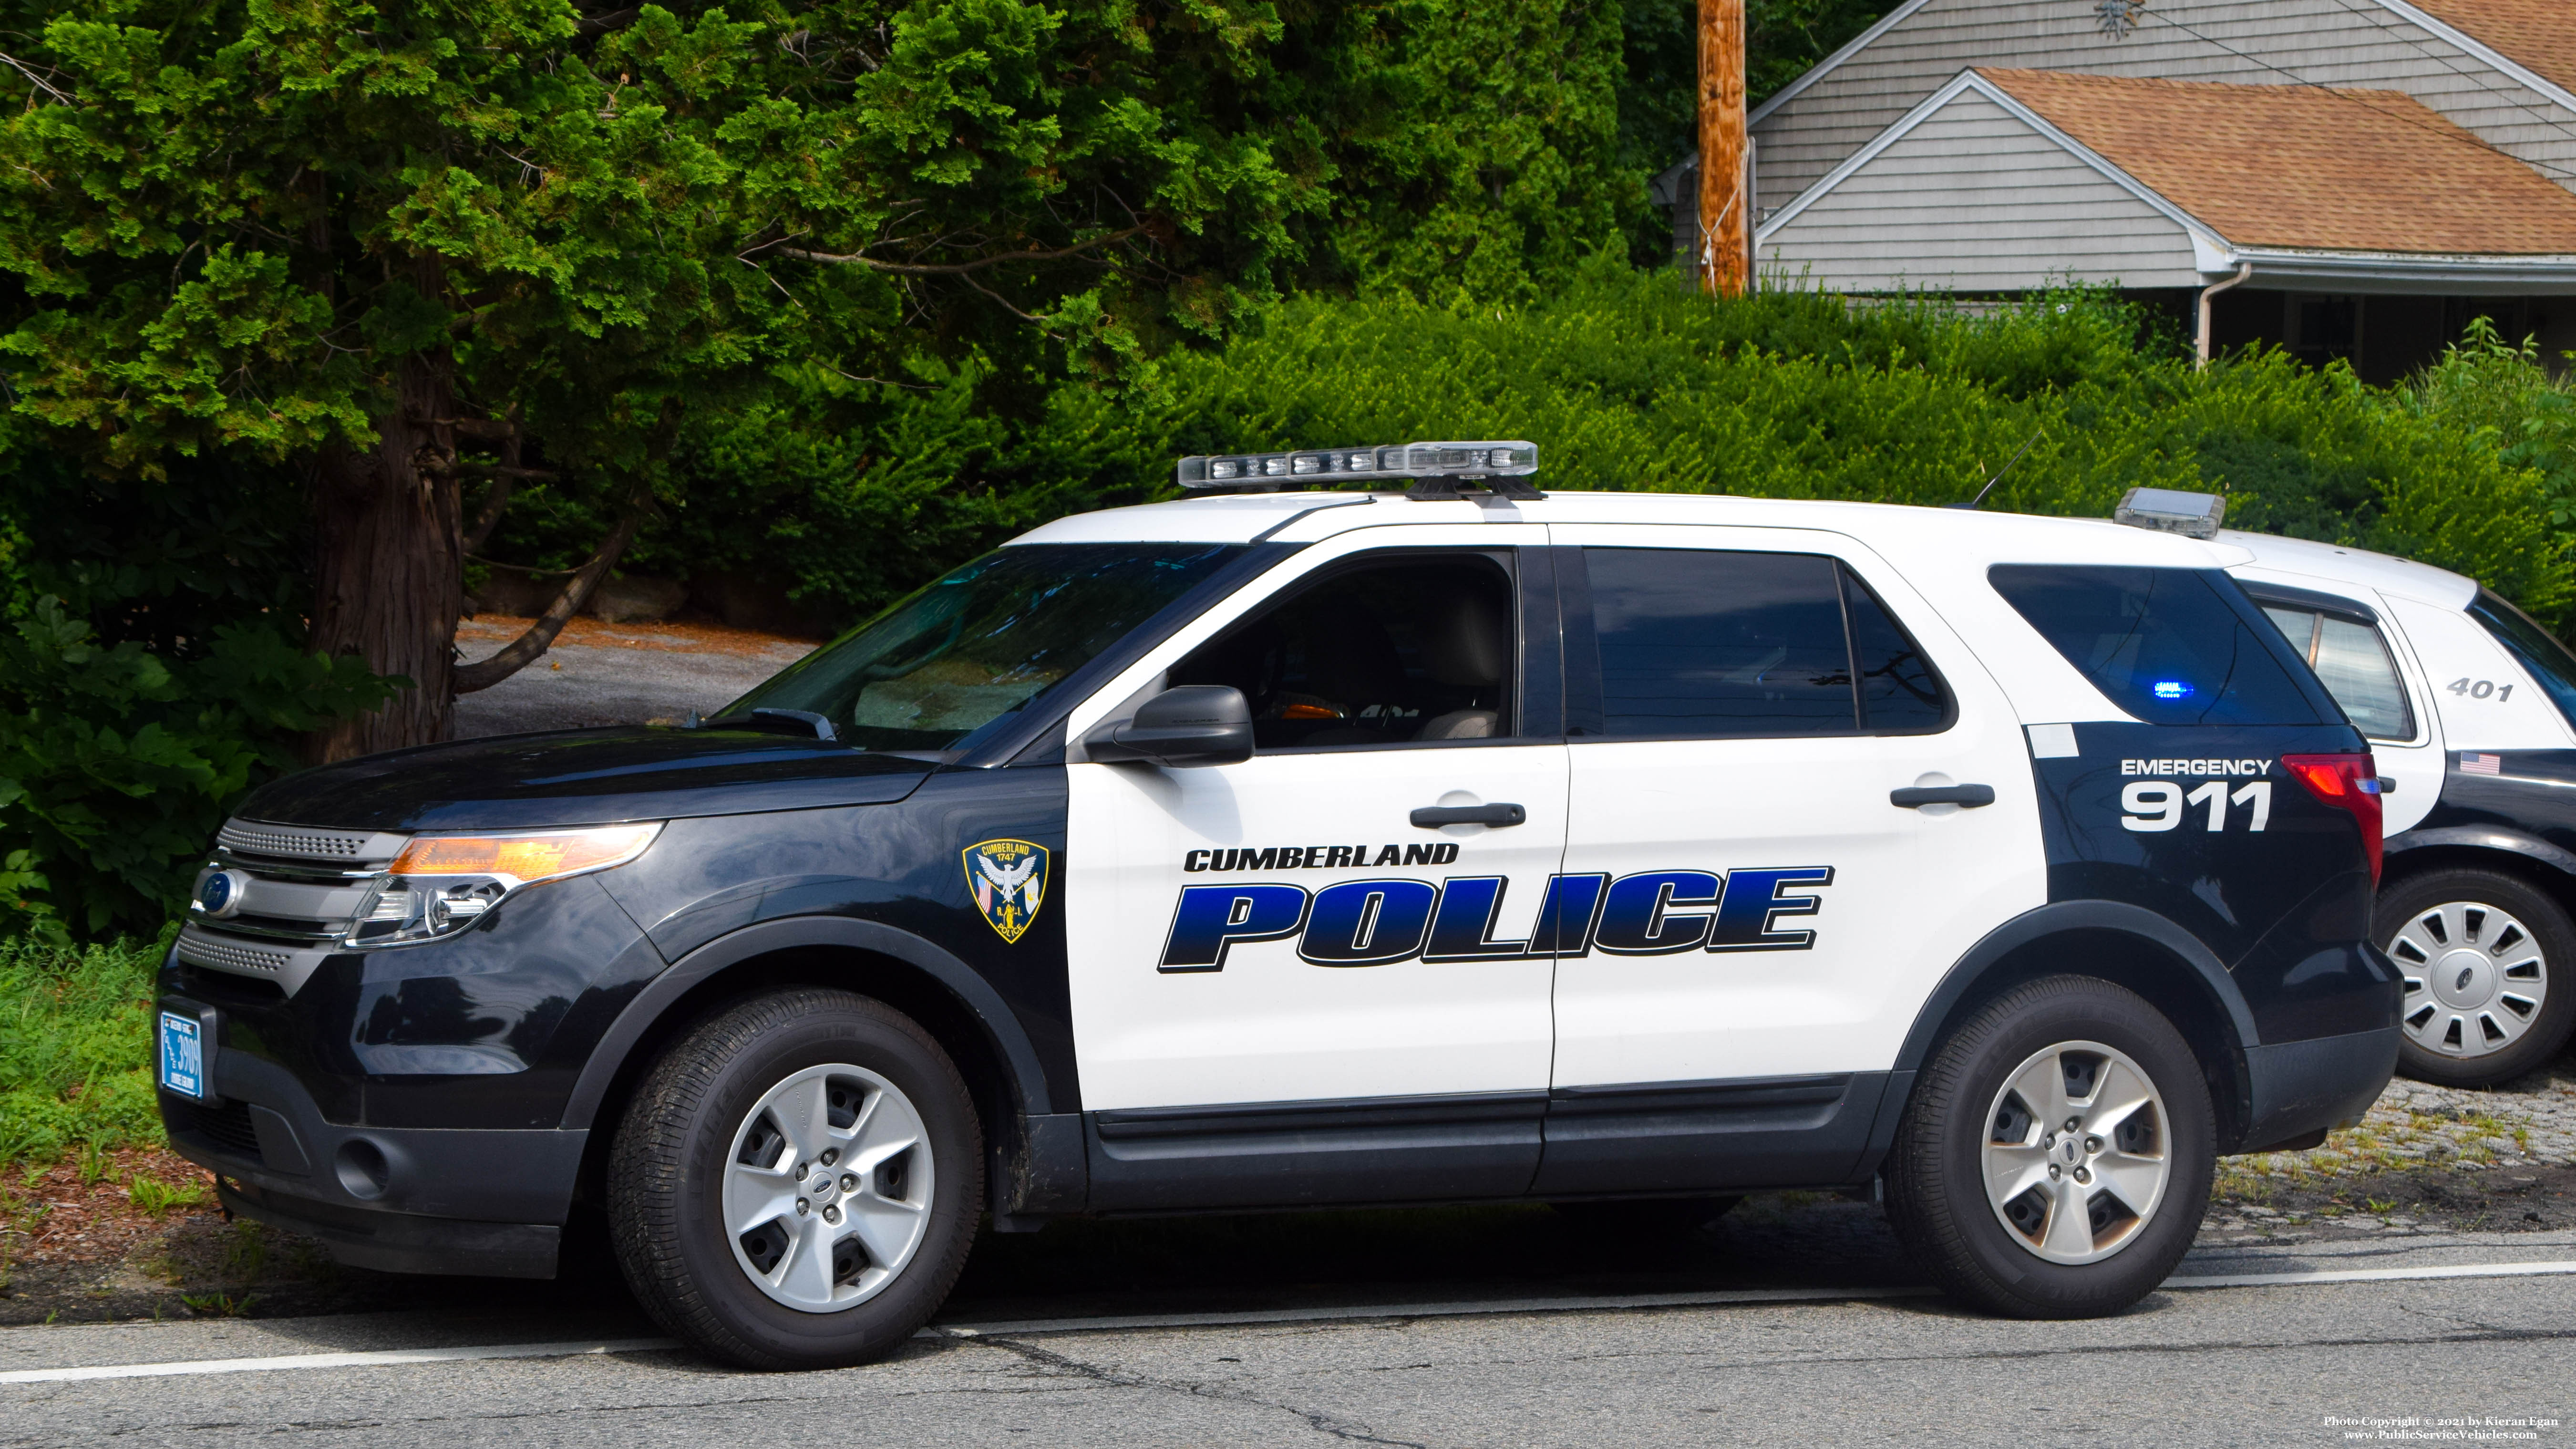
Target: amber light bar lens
x: 526, y: 859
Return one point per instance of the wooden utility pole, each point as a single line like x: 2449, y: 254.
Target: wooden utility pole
x: 1725, y: 247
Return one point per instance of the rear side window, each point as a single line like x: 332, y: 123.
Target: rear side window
x: 2534, y: 648
x: 2352, y: 662
x: 2170, y: 646
x: 1705, y: 643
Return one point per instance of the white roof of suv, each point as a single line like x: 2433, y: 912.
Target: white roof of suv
x: 2294, y: 561
x: 1899, y: 531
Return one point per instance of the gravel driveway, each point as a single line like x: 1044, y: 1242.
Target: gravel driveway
x: 602, y: 674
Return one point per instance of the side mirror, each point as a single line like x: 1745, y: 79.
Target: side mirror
x: 1195, y: 724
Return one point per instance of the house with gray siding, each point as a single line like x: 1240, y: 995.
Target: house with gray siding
x: 2347, y: 178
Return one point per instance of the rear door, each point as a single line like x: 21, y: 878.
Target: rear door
x: 1751, y: 922
x: 2361, y: 661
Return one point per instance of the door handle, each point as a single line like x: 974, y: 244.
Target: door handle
x: 1432, y: 817
x: 1915, y: 797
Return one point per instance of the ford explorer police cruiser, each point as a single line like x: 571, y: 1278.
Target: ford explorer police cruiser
x: 1446, y: 843
x: 2470, y: 709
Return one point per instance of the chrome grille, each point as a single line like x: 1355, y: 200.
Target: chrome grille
x: 299, y: 892
x: 289, y: 841
x: 225, y: 956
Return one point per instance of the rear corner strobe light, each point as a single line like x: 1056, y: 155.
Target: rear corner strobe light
x: 2349, y: 783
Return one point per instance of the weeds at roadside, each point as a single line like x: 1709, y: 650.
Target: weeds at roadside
x: 152, y: 1195
x: 219, y: 1305
x: 246, y: 1251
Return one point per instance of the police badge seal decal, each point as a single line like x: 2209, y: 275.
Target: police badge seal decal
x: 1008, y: 879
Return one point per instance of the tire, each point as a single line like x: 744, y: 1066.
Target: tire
x: 723, y: 1125
x: 2486, y: 959
x: 2030, y: 1256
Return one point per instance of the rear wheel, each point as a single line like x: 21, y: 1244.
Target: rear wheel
x: 2478, y: 949
x: 2055, y: 1157
x: 797, y: 1181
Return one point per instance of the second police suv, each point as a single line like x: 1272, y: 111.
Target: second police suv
x: 1445, y: 844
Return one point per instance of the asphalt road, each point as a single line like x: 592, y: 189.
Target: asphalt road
x: 1807, y: 1357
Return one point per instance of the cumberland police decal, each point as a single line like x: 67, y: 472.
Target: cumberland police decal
x: 1008, y: 879
x: 1380, y: 922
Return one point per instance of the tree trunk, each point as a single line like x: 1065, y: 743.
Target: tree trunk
x: 540, y: 636
x: 389, y: 580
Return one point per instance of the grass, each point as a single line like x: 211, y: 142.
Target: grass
x: 76, y: 1052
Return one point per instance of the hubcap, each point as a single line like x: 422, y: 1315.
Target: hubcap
x: 2475, y: 978
x: 827, y: 1189
x: 2076, y: 1155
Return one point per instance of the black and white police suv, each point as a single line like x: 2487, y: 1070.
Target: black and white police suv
x: 2470, y: 709
x: 1445, y: 844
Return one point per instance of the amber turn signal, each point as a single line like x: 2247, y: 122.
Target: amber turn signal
x: 526, y: 859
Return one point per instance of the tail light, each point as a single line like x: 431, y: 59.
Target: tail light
x: 2347, y: 782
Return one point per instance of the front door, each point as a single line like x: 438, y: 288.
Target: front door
x: 1286, y: 986
x: 1767, y: 920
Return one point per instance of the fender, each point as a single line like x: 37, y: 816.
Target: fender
x: 2054, y: 919
x: 2486, y: 837
x: 1001, y: 1029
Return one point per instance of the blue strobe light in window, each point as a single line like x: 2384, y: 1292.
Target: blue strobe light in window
x: 2171, y: 689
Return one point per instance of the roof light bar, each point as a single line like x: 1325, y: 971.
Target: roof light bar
x: 2170, y: 510
x: 1391, y: 461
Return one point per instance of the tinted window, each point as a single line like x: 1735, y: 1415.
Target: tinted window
x: 1698, y: 642
x: 2353, y: 663
x: 2170, y: 646
x: 1414, y: 649
x: 984, y: 641
x: 1899, y: 693
x: 2536, y: 648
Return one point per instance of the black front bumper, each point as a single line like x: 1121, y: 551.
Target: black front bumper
x: 399, y: 1199
x: 392, y: 1242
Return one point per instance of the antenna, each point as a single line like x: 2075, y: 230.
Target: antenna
x: 1999, y: 473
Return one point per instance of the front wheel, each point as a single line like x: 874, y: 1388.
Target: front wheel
x: 2055, y: 1157
x: 2477, y: 949
x: 797, y: 1181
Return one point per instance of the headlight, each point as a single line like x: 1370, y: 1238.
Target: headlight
x: 441, y: 884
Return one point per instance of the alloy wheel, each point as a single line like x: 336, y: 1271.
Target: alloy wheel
x: 827, y: 1189
x: 2076, y: 1155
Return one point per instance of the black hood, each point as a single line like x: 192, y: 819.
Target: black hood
x: 584, y: 777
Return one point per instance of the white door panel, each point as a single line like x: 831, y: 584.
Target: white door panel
x: 1201, y: 961
x: 1833, y: 983
x: 1160, y: 1024
x: 2415, y: 767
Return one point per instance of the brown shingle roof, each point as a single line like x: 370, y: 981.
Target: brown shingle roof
x: 2540, y: 34
x: 2308, y: 166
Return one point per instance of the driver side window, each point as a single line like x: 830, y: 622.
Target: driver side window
x: 1414, y: 648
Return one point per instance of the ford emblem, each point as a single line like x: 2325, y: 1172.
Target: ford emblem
x: 220, y: 894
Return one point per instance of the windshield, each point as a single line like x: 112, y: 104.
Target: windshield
x: 2535, y: 648
x: 981, y: 643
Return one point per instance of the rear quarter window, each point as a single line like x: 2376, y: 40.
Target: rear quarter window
x: 2170, y: 646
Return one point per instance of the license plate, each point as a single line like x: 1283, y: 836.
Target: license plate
x: 183, y: 1055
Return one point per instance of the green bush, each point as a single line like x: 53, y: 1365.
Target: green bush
x: 1627, y: 383
x: 76, y: 1048
x: 151, y: 672
x: 856, y: 492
